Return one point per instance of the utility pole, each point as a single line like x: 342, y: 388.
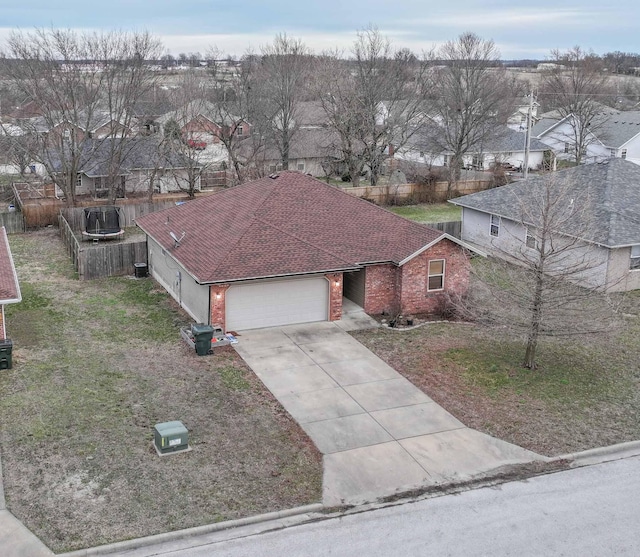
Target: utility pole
x: 527, y: 146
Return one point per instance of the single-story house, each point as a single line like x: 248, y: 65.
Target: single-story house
x: 313, y: 151
x: 594, y: 224
x: 9, y: 286
x: 286, y: 248
x: 144, y: 162
x: 505, y: 146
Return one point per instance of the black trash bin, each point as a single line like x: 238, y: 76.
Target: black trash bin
x: 141, y: 270
x: 6, y: 346
x: 202, y: 335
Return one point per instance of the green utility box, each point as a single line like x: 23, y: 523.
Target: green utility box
x: 6, y: 346
x: 202, y: 335
x: 170, y: 437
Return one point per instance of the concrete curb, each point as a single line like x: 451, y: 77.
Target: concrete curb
x: 115, y: 548
x: 601, y: 454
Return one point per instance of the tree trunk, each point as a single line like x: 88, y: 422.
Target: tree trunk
x: 534, y: 326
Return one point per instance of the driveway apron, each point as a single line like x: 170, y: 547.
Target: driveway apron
x: 379, y: 434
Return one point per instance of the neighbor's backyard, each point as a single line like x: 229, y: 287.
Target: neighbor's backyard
x: 96, y: 365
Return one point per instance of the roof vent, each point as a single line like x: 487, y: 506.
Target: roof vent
x: 273, y: 176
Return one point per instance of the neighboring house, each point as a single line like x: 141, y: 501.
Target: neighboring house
x: 95, y: 124
x: 518, y: 120
x: 313, y: 151
x: 146, y: 162
x: 201, y: 120
x: 506, y: 147
x: 606, y: 226
x: 9, y: 286
x: 616, y: 135
x: 286, y: 248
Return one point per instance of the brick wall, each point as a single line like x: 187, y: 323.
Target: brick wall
x: 381, y: 289
x: 414, y: 297
x: 335, y: 295
x: 391, y: 289
x: 217, y: 294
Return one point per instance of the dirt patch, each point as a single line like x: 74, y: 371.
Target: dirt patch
x: 96, y: 365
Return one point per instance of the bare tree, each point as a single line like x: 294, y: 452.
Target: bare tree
x: 373, y: 102
x: 544, y: 280
x: 471, y: 97
x: 575, y: 90
x: 85, y: 85
x: 281, y: 80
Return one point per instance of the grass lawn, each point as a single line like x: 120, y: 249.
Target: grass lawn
x: 586, y: 392
x: 96, y: 365
x: 429, y: 212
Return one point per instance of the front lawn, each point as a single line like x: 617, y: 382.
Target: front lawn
x: 96, y: 365
x: 585, y: 394
x: 429, y: 212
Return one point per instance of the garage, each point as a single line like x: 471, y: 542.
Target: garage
x: 274, y: 303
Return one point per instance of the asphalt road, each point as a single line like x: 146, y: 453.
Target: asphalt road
x: 591, y: 511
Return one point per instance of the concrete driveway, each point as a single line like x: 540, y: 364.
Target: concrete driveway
x: 379, y: 434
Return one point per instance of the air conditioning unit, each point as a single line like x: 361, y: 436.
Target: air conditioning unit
x: 170, y: 437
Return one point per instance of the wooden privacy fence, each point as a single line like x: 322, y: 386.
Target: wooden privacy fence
x: 453, y: 227
x: 101, y: 260
x: 416, y: 193
x: 13, y: 222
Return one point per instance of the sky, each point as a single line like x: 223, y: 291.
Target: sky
x: 519, y: 29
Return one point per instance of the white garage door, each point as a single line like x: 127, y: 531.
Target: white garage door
x: 274, y: 303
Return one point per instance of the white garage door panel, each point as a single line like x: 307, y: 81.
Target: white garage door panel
x: 271, y: 304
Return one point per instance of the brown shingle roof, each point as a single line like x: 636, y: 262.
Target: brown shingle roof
x: 9, y: 287
x: 293, y: 224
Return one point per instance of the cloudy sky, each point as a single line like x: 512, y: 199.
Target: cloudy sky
x: 520, y: 30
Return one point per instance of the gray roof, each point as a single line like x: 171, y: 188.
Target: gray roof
x: 140, y: 153
x: 608, y: 194
x: 619, y: 128
x: 307, y: 143
x: 505, y: 140
x: 509, y: 140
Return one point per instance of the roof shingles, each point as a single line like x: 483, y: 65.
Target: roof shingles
x: 293, y: 224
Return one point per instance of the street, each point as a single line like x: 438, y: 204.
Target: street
x: 591, y: 511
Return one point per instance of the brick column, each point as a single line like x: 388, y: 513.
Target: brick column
x: 335, y: 295
x: 217, y: 294
x: 2, y: 330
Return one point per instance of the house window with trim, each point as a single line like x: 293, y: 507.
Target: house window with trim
x: 623, y: 155
x: 435, y: 276
x: 300, y: 166
x: 612, y: 153
x: 634, y: 262
x: 79, y: 180
x: 494, y: 230
x: 240, y: 130
x: 530, y: 239
x: 566, y: 146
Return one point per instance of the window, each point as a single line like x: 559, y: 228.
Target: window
x: 79, y: 180
x: 495, y: 225
x: 445, y: 161
x: 300, y: 166
x: 623, y: 155
x: 635, y: 257
x: 240, y: 130
x: 566, y: 147
x: 612, y: 153
x: 435, y: 278
x: 477, y: 161
x: 530, y: 239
